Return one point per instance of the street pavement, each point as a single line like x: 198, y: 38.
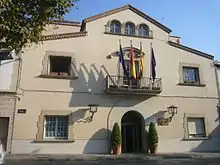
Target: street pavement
x: 127, y: 159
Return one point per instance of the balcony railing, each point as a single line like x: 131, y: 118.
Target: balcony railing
x: 142, y: 86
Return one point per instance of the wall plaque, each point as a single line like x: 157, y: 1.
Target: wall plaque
x: 21, y: 110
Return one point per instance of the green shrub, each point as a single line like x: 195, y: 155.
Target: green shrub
x: 116, y: 138
x: 152, y: 135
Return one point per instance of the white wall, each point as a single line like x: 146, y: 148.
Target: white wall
x: 6, y: 74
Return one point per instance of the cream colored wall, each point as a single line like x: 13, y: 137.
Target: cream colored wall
x: 90, y: 53
x: 58, y: 29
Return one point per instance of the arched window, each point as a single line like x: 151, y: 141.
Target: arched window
x: 129, y: 28
x: 115, y: 27
x: 143, y: 30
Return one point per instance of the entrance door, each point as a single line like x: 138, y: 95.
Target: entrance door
x: 4, y: 122
x: 132, y: 124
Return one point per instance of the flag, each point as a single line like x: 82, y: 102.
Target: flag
x: 132, y: 64
x: 141, y: 63
x: 153, y: 64
x: 122, y: 61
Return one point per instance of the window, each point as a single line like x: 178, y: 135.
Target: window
x: 196, y: 127
x: 60, y: 65
x: 115, y: 27
x: 191, y: 75
x: 143, y: 30
x: 56, y: 127
x: 129, y: 28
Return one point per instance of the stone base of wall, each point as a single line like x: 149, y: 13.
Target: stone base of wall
x: 77, y: 147
x: 102, y: 146
x: 180, y: 146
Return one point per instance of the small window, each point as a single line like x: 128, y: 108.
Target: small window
x: 56, y: 127
x: 60, y: 65
x: 129, y: 28
x: 191, y: 75
x: 196, y: 127
x: 143, y: 30
x: 115, y: 27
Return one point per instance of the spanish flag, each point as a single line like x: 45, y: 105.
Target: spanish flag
x: 132, y: 64
x: 141, y: 62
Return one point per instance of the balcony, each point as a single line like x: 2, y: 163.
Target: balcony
x: 144, y: 86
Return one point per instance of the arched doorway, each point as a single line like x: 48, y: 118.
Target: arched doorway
x: 132, y: 129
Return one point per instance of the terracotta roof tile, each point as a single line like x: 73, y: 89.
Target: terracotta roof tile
x: 63, y: 36
x: 65, y: 22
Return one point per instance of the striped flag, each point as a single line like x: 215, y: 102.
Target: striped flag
x: 141, y: 62
x: 132, y: 64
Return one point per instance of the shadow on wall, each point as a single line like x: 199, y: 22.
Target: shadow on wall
x: 212, y: 144
x: 93, y: 81
x: 153, y: 117
x: 99, y: 143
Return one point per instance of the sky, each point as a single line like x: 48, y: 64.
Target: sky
x: 197, y: 22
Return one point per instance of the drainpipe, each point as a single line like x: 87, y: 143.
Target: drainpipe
x: 218, y: 88
x: 16, y: 97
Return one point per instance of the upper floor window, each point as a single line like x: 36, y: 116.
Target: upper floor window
x: 143, y: 30
x: 60, y: 65
x: 191, y: 75
x: 115, y: 27
x: 129, y: 28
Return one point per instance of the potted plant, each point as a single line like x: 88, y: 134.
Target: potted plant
x: 152, y: 138
x: 116, y: 139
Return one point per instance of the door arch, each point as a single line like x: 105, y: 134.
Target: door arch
x: 132, y: 129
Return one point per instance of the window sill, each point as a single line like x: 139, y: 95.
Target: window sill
x: 120, y: 34
x: 196, y: 139
x: 53, y: 141
x: 58, y: 77
x: 191, y: 84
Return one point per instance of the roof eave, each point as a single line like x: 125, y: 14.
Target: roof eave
x: 202, y: 54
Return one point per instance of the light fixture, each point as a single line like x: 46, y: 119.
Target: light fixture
x: 172, y: 110
x: 93, y: 108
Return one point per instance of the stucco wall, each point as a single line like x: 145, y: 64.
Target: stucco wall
x: 54, y: 29
x: 90, y: 53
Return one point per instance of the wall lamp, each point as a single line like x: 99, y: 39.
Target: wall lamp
x: 93, y: 108
x: 172, y: 110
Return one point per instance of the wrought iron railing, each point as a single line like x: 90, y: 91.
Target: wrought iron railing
x: 108, y: 30
x: 139, y: 83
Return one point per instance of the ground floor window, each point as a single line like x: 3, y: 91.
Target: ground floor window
x: 56, y: 127
x: 196, y: 127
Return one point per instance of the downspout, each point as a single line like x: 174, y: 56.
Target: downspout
x: 16, y: 97
x: 218, y: 88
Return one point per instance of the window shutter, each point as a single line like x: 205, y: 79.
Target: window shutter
x: 45, y: 65
x: 199, y: 126
x: 73, y: 68
x: 191, y: 126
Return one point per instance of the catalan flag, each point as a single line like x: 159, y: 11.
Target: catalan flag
x: 141, y: 62
x: 132, y: 64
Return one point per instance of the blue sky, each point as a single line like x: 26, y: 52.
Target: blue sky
x: 197, y: 22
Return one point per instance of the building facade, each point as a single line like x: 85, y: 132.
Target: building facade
x: 9, y: 64
x: 77, y: 68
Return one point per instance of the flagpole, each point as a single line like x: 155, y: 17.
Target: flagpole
x: 119, y: 66
x: 130, y: 78
x: 150, y: 64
